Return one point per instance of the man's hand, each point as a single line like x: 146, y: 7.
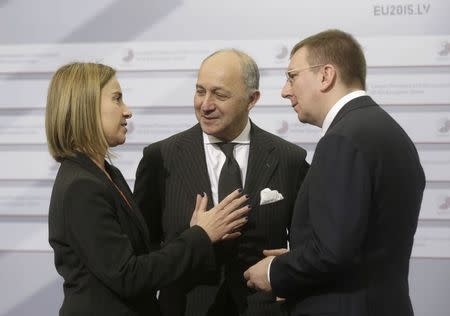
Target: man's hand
x: 276, y: 252
x: 256, y: 275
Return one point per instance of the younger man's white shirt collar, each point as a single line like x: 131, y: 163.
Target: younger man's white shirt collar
x: 337, y: 107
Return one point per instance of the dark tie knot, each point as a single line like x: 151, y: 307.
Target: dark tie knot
x: 227, y: 148
x: 230, y: 174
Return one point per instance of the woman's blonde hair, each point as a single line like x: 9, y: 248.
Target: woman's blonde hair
x: 72, y: 116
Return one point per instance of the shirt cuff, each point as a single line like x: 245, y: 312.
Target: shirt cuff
x: 268, y: 271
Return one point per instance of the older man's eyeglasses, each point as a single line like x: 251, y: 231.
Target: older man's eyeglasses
x: 293, y: 73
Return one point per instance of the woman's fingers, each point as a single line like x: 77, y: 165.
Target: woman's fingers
x: 200, y: 207
x: 223, y: 220
x: 241, y: 223
x: 203, y: 203
x: 198, y: 200
x: 231, y: 235
x: 194, y: 217
x: 236, y: 214
x: 229, y: 198
x: 237, y: 223
x: 236, y: 203
x: 234, y: 221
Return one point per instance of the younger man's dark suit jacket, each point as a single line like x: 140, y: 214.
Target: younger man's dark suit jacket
x: 168, y: 178
x: 354, y: 220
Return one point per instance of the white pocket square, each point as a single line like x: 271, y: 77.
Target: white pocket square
x: 270, y: 196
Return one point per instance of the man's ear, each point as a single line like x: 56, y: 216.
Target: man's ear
x: 254, y: 97
x: 328, y: 77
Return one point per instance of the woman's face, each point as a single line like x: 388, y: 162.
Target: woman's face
x: 114, y: 113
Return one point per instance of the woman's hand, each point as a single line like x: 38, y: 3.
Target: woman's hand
x: 222, y: 221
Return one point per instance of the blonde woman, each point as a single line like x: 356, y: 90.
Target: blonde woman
x: 99, y: 238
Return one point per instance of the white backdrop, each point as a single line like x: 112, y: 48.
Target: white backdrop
x: 157, y: 47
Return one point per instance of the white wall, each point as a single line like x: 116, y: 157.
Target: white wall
x: 157, y: 47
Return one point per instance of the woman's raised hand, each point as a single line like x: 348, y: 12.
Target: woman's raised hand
x: 223, y: 220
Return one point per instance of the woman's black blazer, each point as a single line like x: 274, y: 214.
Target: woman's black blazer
x: 101, y: 247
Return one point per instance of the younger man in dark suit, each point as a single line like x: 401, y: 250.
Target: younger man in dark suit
x: 172, y: 171
x: 356, y: 213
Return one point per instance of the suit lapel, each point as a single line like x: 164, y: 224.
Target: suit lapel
x: 189, y: 163
x: 262, y: 162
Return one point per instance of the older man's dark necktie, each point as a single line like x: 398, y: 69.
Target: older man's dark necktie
x: 230, y: 175
x: 229, y: 180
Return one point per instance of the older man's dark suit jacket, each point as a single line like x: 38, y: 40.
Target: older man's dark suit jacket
x: 174, y: 170
x: 102, y: 249
x: 354, y: 220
